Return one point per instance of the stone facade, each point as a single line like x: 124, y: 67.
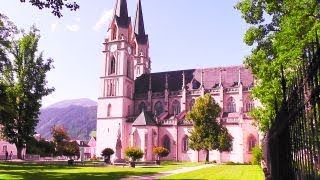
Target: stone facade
x: 6, y: 146
x: 143, y: 109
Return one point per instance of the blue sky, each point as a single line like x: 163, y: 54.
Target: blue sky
x: 183, y: 34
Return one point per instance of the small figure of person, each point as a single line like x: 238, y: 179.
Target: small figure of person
x: 11, y: 154
x: 6, y: 155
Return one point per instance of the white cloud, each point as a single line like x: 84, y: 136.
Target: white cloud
x: 54, y: 26
x: 104, y: 19
x: 73, y: 27
x: 77, y: 19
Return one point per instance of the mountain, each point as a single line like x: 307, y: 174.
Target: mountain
x: 77, y: 116
x: 84, y: 102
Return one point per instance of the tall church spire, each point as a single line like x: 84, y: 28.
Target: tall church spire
x: 139, y: 30
x: 121, y: 13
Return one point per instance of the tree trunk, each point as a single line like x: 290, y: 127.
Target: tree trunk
x: 19, y: 151
x: 207, y: 155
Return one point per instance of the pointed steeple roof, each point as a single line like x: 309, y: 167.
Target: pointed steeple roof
x: 139, y: 30
x: 144, y: 119
x: 121, y: 13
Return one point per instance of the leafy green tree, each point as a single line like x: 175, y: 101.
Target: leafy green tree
x: 160, y: 151
x: 279, y: 33
x: 23, y: 84
x: 41, y: 147
x: 257, y: 155
x: 55, y: 5
x: 207, y: 133
x: 71, y: 149
x: 7, y: 31
x: 134, y: 153
x: 225, y: 140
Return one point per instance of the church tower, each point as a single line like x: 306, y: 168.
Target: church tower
x: 140, y: 44
x: 115, y: 102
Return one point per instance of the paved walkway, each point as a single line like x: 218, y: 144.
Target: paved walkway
x: 172, y: 172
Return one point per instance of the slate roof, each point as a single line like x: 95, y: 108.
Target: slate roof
x: 139, y: 30
x: 121, y: 14
x: 144, y: 119
x: 211, y: 79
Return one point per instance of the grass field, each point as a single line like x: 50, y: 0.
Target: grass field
x: 223, y: 172
x: 38, y: 172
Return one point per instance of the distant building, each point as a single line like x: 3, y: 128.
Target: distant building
x: 89, y: 147
x: 92, y: 147
x: 6, y: 146
x: 143, y: 109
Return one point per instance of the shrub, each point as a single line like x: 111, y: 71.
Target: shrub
x: 257, y: 155
x: 107, y: 152
x: 160, y: 151
x: 134, y: 153
x: 233, y: 163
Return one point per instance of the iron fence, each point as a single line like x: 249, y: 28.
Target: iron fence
x: 291, y: 146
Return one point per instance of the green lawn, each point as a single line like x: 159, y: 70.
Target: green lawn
x: 38, y: 172
x: 223, y: 172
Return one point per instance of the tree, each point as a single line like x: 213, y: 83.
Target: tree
x: 71, y: 149
x: 23, y: 84
x: 207, y: 133
x: 257, y: 155
x: 106, y: 153
x: 133, y: 153
x: 279, y: 33
x: 7, y: 31
x: 59, y: 134
x: 55, y: 5
x: 160, y: 151
x: 60, y: 137
x: 41, y: 147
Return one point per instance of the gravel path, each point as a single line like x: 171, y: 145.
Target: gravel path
x: 167, y: 173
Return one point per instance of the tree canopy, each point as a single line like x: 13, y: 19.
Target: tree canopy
x: 60, y: 138
x: 279, y: 34
x: 207, y: 133
x: 23, y: 84
x: 55, y: 5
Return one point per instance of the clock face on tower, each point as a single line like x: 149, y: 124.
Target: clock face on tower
x: 113, y: 48
x: 129, y: 50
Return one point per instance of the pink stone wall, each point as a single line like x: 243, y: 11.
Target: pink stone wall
x: 4, y: 145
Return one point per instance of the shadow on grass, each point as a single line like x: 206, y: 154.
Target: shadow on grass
x: 151, y: 167
x: 35, y: 172
x: 57, y: 175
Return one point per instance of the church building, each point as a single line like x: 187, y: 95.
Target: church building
x: 137, y: 108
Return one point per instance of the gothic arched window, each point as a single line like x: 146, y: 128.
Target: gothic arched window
x: 129, y: 91
x: 195, y: 84
x: 166, y: 142
x: 249, y: 106
x: 176, y: 107
x: 129, y: 68
x: 158, y: 108
x: 251, y: 142
x: 185, y: 144
x: 134, y: 48
x: 112, y: 89
x: 109, y: 110
x: 114, y: 33
x: 191, y: 104
x: 142, y: 107
x: 231, y: 105
x: 113, y: 65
